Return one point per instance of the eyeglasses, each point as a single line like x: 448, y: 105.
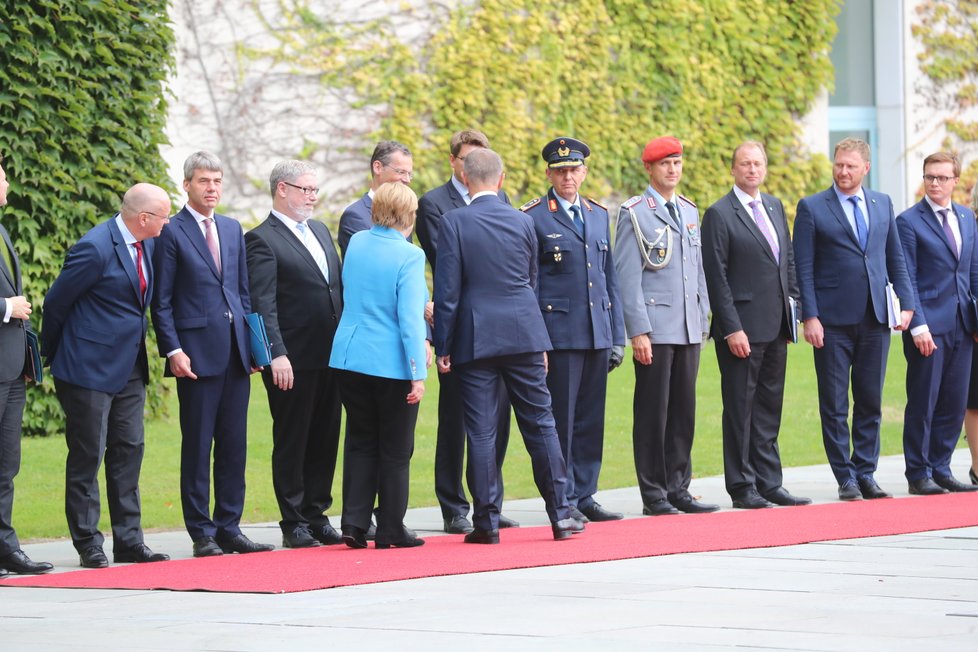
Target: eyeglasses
x: 404, y: 174
x: 930, y: 178
x: 306, y: 190
x: 162, y: 217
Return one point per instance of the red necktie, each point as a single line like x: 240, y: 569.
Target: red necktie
x: 139, y: 269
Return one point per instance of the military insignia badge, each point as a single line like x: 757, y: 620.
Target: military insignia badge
x: 563, y: 151
x: 554, y: 236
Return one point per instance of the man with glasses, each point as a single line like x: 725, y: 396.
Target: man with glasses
x: 390, y: 162
x: 294, y: 276
x: 940, y: 244
x: 94, y: 338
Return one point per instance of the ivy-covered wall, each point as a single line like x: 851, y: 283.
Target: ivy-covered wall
x: 82, y: 112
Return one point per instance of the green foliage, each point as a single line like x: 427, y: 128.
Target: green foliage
x: 82, y: 113
x: 614, y: 73
x: 948, y: 34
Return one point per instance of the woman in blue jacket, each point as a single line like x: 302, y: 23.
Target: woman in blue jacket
x: 381, y: 350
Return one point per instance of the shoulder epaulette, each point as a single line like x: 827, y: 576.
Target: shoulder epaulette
x: 631, y: 202
x: 530, y: 204
x: 688, y: 201
x: 596, y: 203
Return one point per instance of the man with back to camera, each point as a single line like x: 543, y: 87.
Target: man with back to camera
x: 940, y: 245
x: 450, y: 440
x: 578, y: 292
x: 750, y: 274
x: 94, y: 338
x: 847, y: 251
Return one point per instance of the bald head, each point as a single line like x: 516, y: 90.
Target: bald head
x: 145, y: 209
x: 483, y: 171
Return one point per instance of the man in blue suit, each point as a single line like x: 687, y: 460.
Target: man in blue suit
x: 940, y: 244
x: 94, y: 338
x: 450, y: 441
x: 847, y: 257
x: 489, y: 330
x: 579, y: 299
x: 391, y: 161
x: 199, y: 310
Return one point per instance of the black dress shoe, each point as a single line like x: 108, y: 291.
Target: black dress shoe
x: 138, y: 554
x: 952, y: 484
x: 457, y: 524
x: 926, y: 487
x: 482, y: 536
x: 299, y: 537
x: 597, y: 513
x: 849, y: 491
x: 18, y: 562
x: 661, y: 507
x: 973, y: 476
x: 93, y: 557
x: 870, y: 490
x: 685, y: 502
x: 207, y: 547
x: 750, y: 499
x: 566, y: 528
x: 3, y: 573
x: 577, y: 514
x: 354, y: 537
x: 242, y: 545
x: 780, y: 496
x: 325, y: 534
x: 405, y: 540
x: 505, y: 522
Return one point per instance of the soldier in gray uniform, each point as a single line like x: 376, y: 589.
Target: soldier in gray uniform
x: 658, y: 255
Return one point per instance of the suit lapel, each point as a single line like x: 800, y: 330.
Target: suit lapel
x: 12, y: 275
x: 454, y: 196
x: 125, y: 259
x: 835, y: 208
x: 326, y: 242
x: 931, y: 220
x: 192, y: 230
x: 286, y: 234
x: 558, y: 212
x: 750, y: 224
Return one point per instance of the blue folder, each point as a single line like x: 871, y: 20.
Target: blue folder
x: 261, y: 348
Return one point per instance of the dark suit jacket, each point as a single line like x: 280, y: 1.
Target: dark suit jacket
x: 355, y: 218
x: 942, y: 283
x: 301, y: 310
x: 835, y: 277
x: 431, y: 207
x: 578, y: 285
x: 194, y: 303
x: 748, y: 288
x: 12, y: 338
x: 485, y: 303
x: 94, y: 317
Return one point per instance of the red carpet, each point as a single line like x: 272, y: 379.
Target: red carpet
x: 286, y: 571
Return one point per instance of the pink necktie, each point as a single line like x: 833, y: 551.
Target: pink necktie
x: 212, y: 242
x: 765, y: 231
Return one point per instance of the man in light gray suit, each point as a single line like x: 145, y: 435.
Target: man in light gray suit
x: 658, y: 256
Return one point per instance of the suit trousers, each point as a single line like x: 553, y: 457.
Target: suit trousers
x: 305, y: 435
x: 859, y: 350
x: 214, y: 413
x: 12, y: 399
x: 753, y: 394
x: 450, y: 447
x: 664, y: 417
x: 377, y: 451
x: 937, y: 394
x: 524, y: 378
x: 105, y: 426
x: 578, y: 383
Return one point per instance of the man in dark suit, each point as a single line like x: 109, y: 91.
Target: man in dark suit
x: 390, y: 162
x: 940, y: 244
x: 199, y: 310
x: 94, y: 338
x: 750, y: 275
x: 15, y: 311
x: 847, y: 251
x: 578, y: 293
x: 450, y: 441
x: 489, y: 330
x: 294, y: 275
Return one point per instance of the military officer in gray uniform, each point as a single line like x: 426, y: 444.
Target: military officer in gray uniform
x: 658, y: 256
x: 578, y: 292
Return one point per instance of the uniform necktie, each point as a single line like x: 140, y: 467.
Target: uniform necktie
x: 212, y: 242
x: 861, y: 230
x: 674, y: 214
x: 315, y: 252
x: 755, y: 206
x: 948, y: 232
x: 577, y: 219
x: 139, y: 269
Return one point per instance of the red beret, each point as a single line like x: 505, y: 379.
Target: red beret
x: 660, y: 148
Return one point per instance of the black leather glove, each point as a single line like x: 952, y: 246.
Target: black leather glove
x: 616, y: 358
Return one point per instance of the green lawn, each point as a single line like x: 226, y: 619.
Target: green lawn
x: 39, y: 504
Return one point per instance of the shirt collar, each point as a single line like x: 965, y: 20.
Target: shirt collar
x: 200, y: 217
x: 485, y: 193
x: 127, y: 235
x: 934, y: 207
x: 744, y: 197
x: 659, y: 199
x: 285, y: 219
x: 460, y: 187
x: 844, y: 197
x: 566, y: 205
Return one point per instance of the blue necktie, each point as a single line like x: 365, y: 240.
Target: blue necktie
x: 576, y: 218
x: 861, y: 229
